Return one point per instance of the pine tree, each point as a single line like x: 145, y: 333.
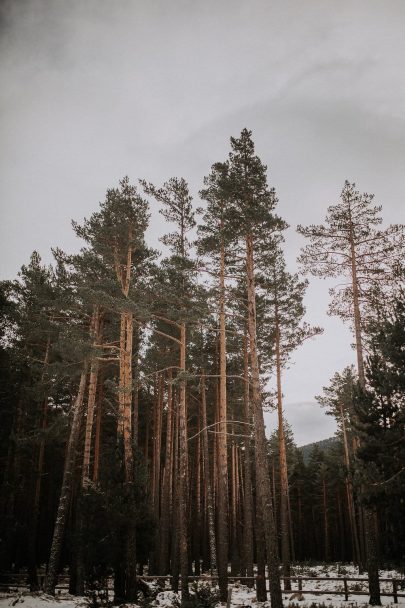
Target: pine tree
x: 379, y: 409
x: 284, y: 331
x: 36, y: 333
x: 213, y: 242
x: 251, y: 217
x: 350, y: 245
x: 337, y: 398
x: 177, y: 303
x: 115, y: 235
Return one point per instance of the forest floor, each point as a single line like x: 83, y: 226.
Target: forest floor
x: 242, y: 596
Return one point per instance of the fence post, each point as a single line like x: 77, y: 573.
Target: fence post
x: 229, y: 597
x: 346, y: 589
x: 395, y: 590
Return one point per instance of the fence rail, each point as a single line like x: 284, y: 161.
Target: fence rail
x: 16, y: 582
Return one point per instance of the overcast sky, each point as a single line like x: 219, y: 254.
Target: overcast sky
x: 92, y: 90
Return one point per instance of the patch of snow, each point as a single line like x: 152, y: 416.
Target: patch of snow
x: 244, y: 597
x: 167, y: 599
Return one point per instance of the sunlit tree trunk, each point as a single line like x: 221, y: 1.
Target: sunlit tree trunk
x: 222, y: 497
x: 325, y: 520
x: 96, y: 332
x: 235, y: 558
x: 174, y: 559
x: 369, y: 527
x: 349, y: 494
x: 248, y: 498
x: 197, y: 520
x: 208, y: 486
x: 67, y: 486
x: 124, y: 428
x: 183, y: 541
x: 164, y: 565
x: 261, y: 590
x: 97, y: 438
x: 284, y: 498
x: 156, y: 466
x: 262, y: 468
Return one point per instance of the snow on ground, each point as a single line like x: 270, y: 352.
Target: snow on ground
x: 242, y: 596
x: 38, y: 600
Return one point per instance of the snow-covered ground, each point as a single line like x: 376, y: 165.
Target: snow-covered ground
x: 242, y: 596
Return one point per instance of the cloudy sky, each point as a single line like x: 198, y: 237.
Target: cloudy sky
x: 95, y: 89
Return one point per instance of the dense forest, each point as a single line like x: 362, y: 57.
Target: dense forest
x: 134, y: 383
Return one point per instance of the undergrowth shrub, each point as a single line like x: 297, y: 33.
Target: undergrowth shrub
x: 202, y: 596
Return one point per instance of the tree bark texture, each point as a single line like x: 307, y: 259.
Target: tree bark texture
x: 183, y: 540
x: 261, y: 464
x: 96, y: 332
x: 369, y: 528
x: 67, y: 486
x: 222, y: 496
x: 357, y: 558
x: 208, y: 485
x: 164, y: 561
x: 284, y: 491
x: 247, y: 496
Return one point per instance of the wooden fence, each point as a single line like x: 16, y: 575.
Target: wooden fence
x: 18, y: 582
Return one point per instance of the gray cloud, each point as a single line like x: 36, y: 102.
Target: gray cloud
x: 308, y: 422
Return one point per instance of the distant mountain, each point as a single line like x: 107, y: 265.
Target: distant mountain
x: 324, y: 444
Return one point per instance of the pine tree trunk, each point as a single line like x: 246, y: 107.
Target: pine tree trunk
x: 119, y: 580
x: 369, y: 528
x: 349, y: 494
x: 262, y: 468
x: 248, y: 498
x: 205, y: 553
x: 146, y: 440
x: 261, y: 591
x: 79, y: 558
x: 291, y: 531
x: 197, y: 519
x: 284, y: 498
x: 222, y: 512
x: 126, y: 390
x: 209, y: 495
x: 341, y: 526
x: 126, y: 362
x: 67, y: 485
x: 124, y: 425
x: 300, y: 523
x: 362, y: 538
x: 164, y: 565
x: 235, y: 560
x: 325, y: 521
x: 97, y: 438
x: 183, y: 540
x: 156, y: 465
x: 174, y: 559
x: 96, y: 332
x: 372, y: 552
x: 135, y: 408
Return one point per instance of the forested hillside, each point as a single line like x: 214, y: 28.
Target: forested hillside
x: 323, y: 444
x: 134, y: 382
